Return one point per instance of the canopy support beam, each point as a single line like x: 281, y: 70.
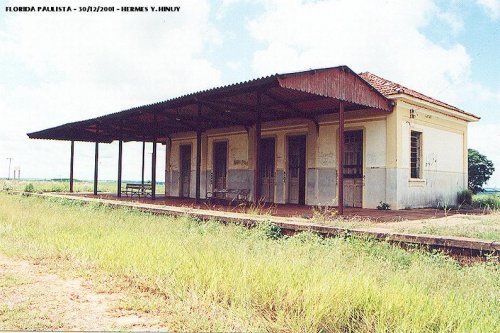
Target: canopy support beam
x: 153, y: 172
x: 143, y: 161
x: 71, y: 166
x: 341, y: 160
x: 257, y: 139
x: 96, y: 166
x: 153, y: 158
x: 168, y: 148
x: 120, y: 159
x: 198, y: 155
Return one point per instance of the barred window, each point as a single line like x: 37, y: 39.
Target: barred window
x: 415, y: 154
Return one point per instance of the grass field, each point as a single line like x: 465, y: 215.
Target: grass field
x: 486, y: 200
x: 62, y: 186
x: 211, y: 277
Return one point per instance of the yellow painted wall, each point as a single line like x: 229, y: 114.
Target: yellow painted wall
x: 237, y: 145
x: 175, y: 152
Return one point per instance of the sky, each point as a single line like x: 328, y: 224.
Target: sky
x: 63, y: 67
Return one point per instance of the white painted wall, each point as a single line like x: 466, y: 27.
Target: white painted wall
x: 442, y: 167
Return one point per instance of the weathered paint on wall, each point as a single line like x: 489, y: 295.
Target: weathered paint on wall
x: 386, y: 156
x: 374, y: 161
x: 281, y: 131
x: 444, y: 157
x: 239, y: 172
x: 173, y: 172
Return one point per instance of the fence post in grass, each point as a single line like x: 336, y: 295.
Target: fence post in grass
x: 120, y: 154
x: 71, y: 165
x: 341, y: 160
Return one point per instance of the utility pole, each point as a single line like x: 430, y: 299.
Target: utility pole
x: 10, y: 162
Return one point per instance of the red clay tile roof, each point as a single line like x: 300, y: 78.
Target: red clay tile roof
x: 388, y: 88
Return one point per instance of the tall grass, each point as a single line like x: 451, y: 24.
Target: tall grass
x: 258, y: 280
x: 486, y: 227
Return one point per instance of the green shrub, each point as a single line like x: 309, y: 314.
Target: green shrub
x: 7, y: 187
x: 269, y: 230
x: 29, y: 188
x: 464, y: 197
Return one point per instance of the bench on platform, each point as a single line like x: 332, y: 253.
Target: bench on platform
x: 140, y: 190
x: 231, y: 195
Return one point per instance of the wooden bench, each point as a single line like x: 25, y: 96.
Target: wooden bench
x: 231, y: 195
x: 138, y: 190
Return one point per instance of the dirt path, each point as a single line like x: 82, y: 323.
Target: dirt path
x: 33, y: 298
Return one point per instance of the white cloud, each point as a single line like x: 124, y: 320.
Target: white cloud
x: 234, y: 65
x: 491, y: 7
x: 452, y: 20
x: 383, y: 37
x: 69, y: 66
x: 57, y: 67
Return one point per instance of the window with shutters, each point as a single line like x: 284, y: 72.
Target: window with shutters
x: 415, y: 154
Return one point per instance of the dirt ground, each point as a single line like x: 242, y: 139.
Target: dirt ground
x: 33, y: 298
x: 285, y: 210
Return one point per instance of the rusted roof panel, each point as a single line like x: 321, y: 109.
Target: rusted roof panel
x: 340, y: 83
x: 295, y: 95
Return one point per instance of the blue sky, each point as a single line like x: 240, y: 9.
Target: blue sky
x: 61, y: 67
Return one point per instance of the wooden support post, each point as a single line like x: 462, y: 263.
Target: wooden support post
x: 96, y: 166
x: 168, y: 148
x: 341, y: 160
x: 71, y: 166
x: 153, y: 172
x: 120, y: 155
x: 143, y: 157
x: 198, y: 164
x: 257, y: 137
x: 198, y: 155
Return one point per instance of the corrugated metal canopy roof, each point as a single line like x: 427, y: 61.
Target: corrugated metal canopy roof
x: 305, y: 95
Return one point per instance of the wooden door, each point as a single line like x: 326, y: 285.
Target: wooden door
x: 220, y: 165
x: 267, y: 162
x: 353, y: 168
x: 297, y: 169
x: 185, y: 172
